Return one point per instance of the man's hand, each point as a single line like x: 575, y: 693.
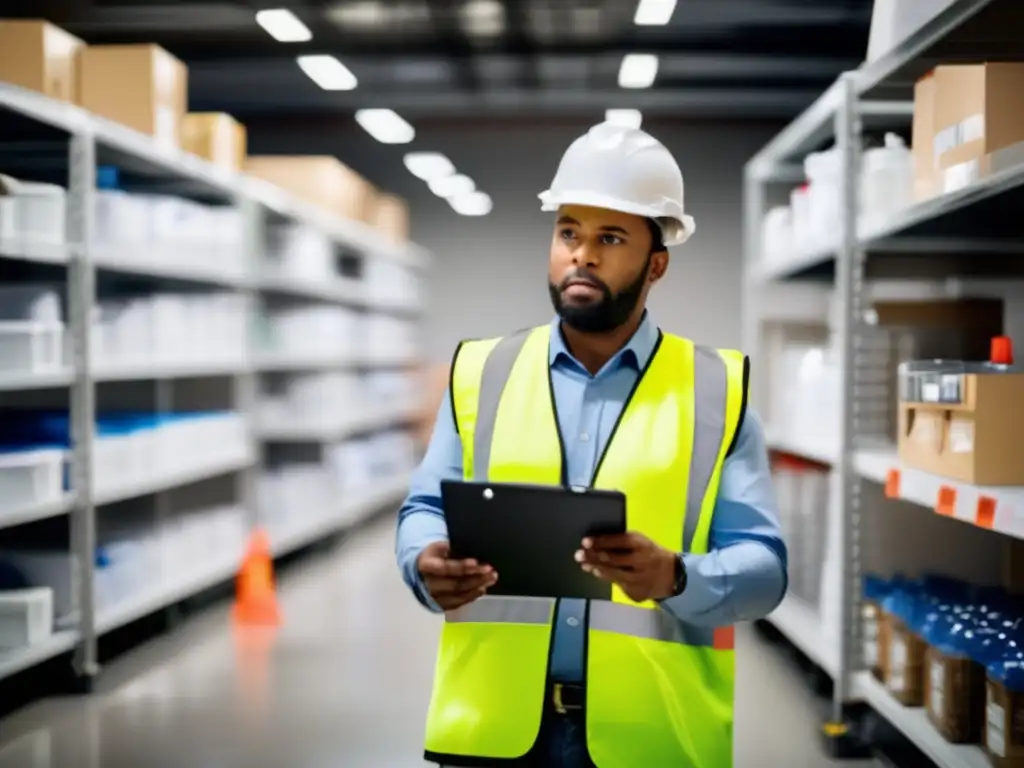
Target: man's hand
x: 453, y: 583
x: 644, y: 570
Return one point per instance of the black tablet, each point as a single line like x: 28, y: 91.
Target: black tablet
x: 530, y: 534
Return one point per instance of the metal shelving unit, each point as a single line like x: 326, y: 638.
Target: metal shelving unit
x: 44, y: 139
x: 976, y: 219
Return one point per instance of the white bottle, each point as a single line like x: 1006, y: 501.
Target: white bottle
x: 886, y: 182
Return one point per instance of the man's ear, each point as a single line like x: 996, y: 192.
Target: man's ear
x: 659, y: 265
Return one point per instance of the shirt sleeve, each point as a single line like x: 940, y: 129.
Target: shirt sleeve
x: 421, y: 517
x: 743, y: 575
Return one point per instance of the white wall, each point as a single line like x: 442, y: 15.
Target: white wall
x: 489, y: 275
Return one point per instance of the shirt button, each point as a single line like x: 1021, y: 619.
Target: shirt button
x: 584, y: 437
x: 572, y: 621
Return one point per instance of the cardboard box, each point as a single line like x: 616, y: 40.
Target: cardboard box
x: 391, y: 216
x: 977, y: 111
x: 978, y: 437
x: 1004, y: 726
x: 904, y: 675
x: 947, y: 329
x: 926, y: 172
x: 320, y: 180
x: 38, y: 55
x: 215, y: 136
x: 140, y: 86
x: 955, y: 696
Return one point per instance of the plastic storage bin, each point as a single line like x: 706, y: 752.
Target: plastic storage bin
x: 31, y: 212
x: 30, y: 476
x: 26, y: 617
x: 52, y: 569
x: 28, y: 347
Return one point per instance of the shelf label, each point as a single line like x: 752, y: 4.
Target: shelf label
x: 892, y: 483
x: 985, y: 516
x: 945, y: 504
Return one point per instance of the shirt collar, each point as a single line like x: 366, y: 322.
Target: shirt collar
x: 635, y: 354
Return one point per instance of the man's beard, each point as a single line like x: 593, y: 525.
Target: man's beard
x: 605, y: 315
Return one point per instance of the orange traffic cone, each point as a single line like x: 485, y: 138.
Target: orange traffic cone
x: 256, y: 600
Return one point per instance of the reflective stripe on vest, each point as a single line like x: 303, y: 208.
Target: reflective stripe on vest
x: 611, y: 617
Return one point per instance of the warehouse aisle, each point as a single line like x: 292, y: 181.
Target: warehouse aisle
x: 343, y: 684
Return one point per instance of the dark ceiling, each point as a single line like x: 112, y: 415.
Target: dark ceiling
x: 427, y: 58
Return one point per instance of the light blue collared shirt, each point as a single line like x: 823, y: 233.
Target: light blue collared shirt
x: 741, y: 578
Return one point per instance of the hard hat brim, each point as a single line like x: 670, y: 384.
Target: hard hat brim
x: 678, y: 234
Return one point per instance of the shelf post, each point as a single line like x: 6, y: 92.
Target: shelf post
x: 750, y: 312
x: 81, y: 298
x: 246, y: 385
x: 842, y: 742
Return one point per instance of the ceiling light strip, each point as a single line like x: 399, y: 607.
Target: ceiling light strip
x: 638, y: 70
x: 654, y: 13
x: 327, y: 72
x: 283, y: 25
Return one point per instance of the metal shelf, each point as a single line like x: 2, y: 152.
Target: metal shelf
x: 973, y: 230
x: 35, y: 252
x: 1006, y: 176
x: 11, y: 517
x: 222, y: 466
x: 353, y: 233
x: 209, y: 574
x: 18, y: 660
x: 23, y: 382
x: 292, y: 432
x: 91, y: 141
x: 161, y: 262
x: 168, y: 591
x: 284, y: 362
x: 968, y: 30
x: 805, y: 134
x: 138, y: 152
x: 797, y: 265
x: 993, y: 508
x: 913, y: 723
x: 801, y: 625
x: 351, y: 512
x: 325, y: 290
x: 158, y: 371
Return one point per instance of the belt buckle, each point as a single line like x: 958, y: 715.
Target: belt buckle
x: 557, y: 699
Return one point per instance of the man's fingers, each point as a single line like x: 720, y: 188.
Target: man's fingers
x: 627, y: 560
x: 612, y: 541
x: 439, y: 566
x: 446, y: 586
x: 439, y: 549
x: 618, y: 576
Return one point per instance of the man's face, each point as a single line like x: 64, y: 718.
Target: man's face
x: 601, y: 267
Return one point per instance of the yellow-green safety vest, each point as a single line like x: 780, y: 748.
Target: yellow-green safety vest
x: 659, y: 692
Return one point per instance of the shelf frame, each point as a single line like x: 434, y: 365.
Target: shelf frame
x: 873, y: 96
x: 89, y: 141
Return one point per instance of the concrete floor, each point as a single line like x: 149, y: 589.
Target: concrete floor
x: 343, y: 684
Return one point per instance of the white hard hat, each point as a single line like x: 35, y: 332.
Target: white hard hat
x: 622, y: 169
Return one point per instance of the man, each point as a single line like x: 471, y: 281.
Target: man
x: 601, y: 397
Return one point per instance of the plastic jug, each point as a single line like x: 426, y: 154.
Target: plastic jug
x: 886, y: 182
x: 822, y: 169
